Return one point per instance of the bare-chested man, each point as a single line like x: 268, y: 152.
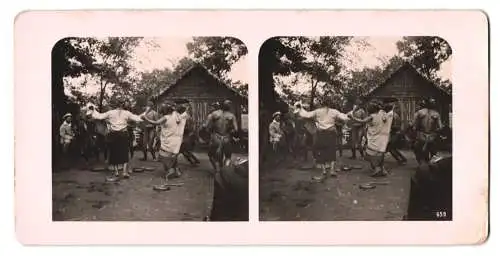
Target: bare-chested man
x: 427, y: 124
x: 222, y: 126
x: 149, y: 132
x: 357, y: 129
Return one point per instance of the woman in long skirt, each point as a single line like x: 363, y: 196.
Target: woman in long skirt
x: 325, y: 119
x: 118, y: 136
x: 377, y: 136
x: 170, y: 141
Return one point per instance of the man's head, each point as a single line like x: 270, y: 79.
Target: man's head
x: 431, y: 103
x: 226, y: 105
x: 388, y: 107
x: 327, y: 100
x: 316, y: 102
x: 118, y: 102
x: 150, y: 104
x: 167, y: 108
x: 277, y: 116
x: 67, y: 117
x: 422, y: 103
x: 389, y: 104
x: 358, y: 102
x: 126, y: 105
x: 372, y: 107
x: 215, y: 106
x: 183, y: 105
x: 181, y: 108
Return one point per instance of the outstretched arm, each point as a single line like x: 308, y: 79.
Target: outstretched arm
x: 359, y: 120
x: 155, y: 122
x: 343, y: 117
x: 98, y: 116
x: 134, y: 118
x: 302, y: 113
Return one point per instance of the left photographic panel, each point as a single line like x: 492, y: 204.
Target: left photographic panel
x: 149, y: 129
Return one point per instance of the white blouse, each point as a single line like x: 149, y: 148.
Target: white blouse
x: 117, y: 119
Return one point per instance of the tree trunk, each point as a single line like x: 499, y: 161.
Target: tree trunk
x: 101, y: 95
x: 314, y: 86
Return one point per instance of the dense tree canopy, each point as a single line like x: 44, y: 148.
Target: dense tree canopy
x: 217, y: 54
x: 318, y: 64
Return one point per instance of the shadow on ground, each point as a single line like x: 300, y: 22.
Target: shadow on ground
x: 287, y: 193
x: 80, y: 194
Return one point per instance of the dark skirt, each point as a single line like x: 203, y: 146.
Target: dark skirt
x: 118, y: 147
x: 326, y: 146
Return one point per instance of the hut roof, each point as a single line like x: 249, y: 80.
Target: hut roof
x: 406, y: 66
x: 186, y: 72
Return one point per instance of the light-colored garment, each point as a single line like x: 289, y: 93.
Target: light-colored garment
x: 117, y: 119
x: 325, y: 118
x: 378, y: 132
x: 181, y: 125
x: 275, y: 132
x: 170, y: 141
x: 66, y: 133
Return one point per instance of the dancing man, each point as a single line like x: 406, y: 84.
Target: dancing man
x: 149, y: 133
x: 427, y: 124
x: 222, y: 126
x: 357, y: 129
x: 326, y: 119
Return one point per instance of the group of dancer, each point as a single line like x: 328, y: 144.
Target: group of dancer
x: 176, y: 135
x: 376, y: 129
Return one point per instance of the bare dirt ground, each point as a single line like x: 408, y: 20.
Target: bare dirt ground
x: 287, y: 193
x: 81, y: 194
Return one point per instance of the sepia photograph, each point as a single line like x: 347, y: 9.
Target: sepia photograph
x: 229, y: 132
x: 355, y: 128
x: 149, y: 129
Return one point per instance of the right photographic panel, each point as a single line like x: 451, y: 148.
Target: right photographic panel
x: 355, y: 129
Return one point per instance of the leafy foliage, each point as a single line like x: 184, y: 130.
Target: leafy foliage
x: 312, y: 59
x: 217, y: 54
x: 427, y: 54
x: 105, y: 60
x: 276, y: 58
